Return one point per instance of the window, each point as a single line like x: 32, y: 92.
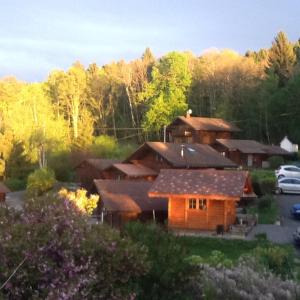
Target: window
x: 192, y: 203
x: 202, y: 204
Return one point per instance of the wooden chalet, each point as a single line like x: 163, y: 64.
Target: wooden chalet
x: 126, y: 200
x: 90, y: 169
x: 201, y: 199
x: 199, y: 130
x: 159, y: 155
x: 248, y: 153
x: 3, y: 191
x: 130, y: 171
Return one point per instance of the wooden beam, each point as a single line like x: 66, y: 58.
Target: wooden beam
x: 213, y: 197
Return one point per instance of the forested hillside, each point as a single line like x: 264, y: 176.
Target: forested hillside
x: 258, y: 91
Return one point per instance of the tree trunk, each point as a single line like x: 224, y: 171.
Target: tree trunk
x: 130, y: 105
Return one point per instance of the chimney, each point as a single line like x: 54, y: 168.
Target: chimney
x: 188, y: 113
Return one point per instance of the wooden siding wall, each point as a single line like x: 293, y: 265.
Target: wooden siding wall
x: 218, y: 212
x: 85, y: 174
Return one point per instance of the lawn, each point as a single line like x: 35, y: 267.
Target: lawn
x: 232, y: 248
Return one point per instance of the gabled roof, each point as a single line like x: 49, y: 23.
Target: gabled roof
x: 134, y: 170
x: 216, y: 183
x: 194, y: 155
x: 4, y: 188
x: 252, y: 147
x: 207, y: 124
x: 128, y: 196
x: 99, y: 163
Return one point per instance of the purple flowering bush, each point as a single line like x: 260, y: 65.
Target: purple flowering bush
x: 58, y: 254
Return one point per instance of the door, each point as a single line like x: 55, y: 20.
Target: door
x: 250, y: 160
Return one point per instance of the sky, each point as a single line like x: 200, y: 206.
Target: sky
x: 38, y: 36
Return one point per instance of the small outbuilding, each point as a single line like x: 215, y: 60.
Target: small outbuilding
x: 3, y: 191
x: 287, y: 145
x: 127, y: 200
x: 202, y: 199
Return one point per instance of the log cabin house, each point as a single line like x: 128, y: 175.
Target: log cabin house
x: 201, y: 199
x: 158, y: 155
x: 127, y: 200
x: 248, y: 153
x: 3, y: 191
x: 199, y: 130
x: 90, y: 169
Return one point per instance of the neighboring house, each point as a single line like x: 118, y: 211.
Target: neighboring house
x: 158, y: 155
x: 199, y: 130
x: 202, y: 199
x: 90, y: 169
x: 3, y: 191
x: 130, y: 171
x: 125, y: 200
x: 287, y: 145
x: 248, y: 153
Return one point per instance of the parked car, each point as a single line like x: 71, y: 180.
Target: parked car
x: 296, y: 236
x: 295, y: 211
x: 288, y: 185
x: 287, y: 171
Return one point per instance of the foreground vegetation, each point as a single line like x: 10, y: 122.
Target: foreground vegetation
x: 51, y: 251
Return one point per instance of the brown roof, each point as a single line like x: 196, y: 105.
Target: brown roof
x: 4, y: 188
x: 244, y: 146
x: 218, y: 183
x: 275, y: 150
x: 251, y: 146
x: 135, y: 170
x: 207, y: 124
x: 128, y: 195
x: 194, y: 155
x: 100, y: 163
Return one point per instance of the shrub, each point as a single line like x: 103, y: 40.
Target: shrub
x: 40, y: 181
x: 276, y: 259
x: 275, y: 161
x: 65, y: 257
x: 263, y: 181
x: 16, y: 184
x: 265, y: 202
x: 243, y: 282
x: 170, y: 273
x: 104, y: 146
x: 84, y: 203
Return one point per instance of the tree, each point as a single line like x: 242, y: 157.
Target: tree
x: 282, y: 58
x: 166, y: 94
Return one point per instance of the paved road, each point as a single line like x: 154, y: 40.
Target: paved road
x: 284, y: 233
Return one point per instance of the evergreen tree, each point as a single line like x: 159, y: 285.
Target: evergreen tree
x: 282, y: 58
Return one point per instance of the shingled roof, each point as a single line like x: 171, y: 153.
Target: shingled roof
x: 128, y: 196
x: 216, y: 183
x: 100, y: 163
x: 207, y: 124
x: 194, y: 155
x: 251, y: 146
x: 134, y: 170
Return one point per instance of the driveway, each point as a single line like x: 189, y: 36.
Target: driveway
x: 280, y: 233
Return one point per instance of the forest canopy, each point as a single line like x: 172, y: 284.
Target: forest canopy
x: 132, y: 101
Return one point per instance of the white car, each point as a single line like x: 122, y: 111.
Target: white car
x: 288, y: 185
x: 287, y: 171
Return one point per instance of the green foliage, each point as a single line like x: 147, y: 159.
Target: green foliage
x: 265, y: 202
x: 104, y: 146
x: 16, y: 184
x: 170, y: 274
x: 40, y: 181
x: 217, y: 258
x: 263, y: 181
x: 167, y: 91
x: 277, y: 259
x: 275, y: 162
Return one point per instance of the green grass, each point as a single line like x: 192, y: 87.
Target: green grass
x: 266, y: 216
x: 232, y: 248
